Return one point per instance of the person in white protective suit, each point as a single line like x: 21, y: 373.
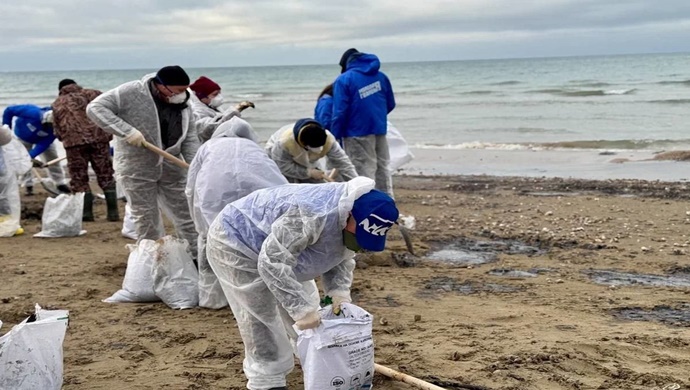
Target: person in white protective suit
x: 228, y: 167
x: 152, y: 110
x: 9, y: 191
x: 267, y: 248
x: 206, y: 102
x: 299, y: 148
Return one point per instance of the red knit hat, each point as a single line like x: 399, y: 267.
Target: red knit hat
x: 203, y: 86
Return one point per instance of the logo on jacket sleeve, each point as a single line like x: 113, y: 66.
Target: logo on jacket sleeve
x: 377, y: 226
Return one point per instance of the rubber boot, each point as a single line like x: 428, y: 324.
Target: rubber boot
x: 111, y: 202
x: 87, y: 216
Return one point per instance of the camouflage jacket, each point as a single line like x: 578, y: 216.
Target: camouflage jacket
x: 70, y: 123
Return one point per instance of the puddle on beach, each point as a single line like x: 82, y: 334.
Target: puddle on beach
x: 512, y: 273
x: 668, y: 315
x: 465, y: 251
x: 447, y: 284
x: 610, y: 277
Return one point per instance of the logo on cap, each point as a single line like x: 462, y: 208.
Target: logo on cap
x: 377, y: 228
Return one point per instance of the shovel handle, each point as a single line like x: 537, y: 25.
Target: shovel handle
x: 166, y: 155
x: 399, y: 376
x: 51, y: 162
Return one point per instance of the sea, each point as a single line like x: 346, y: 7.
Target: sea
x: 601, y: 117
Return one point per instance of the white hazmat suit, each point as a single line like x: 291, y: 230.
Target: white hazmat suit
x: 208, y: 119
x: 228, y: 167
x: 295, y: 161
x: 266, y: 248
x: 148, y: 180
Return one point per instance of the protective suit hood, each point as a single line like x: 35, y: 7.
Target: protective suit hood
x: 236, y: 127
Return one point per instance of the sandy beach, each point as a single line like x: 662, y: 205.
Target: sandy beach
x: 518, y: 283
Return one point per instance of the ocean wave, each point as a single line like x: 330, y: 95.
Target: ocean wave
x: 671, y: 101
x: 672, y: 82
x: 478, y: 92
x: 250, y: 95
x: 591, y: 84
x: 584, y: 93
x: 509, y: 82
x: 570, y: 145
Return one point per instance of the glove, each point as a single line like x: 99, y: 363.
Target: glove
x: 310, y: 321
x: 316, y: 174
x: 135, y: 138
x: 37, y: 163
x: 337, y: 301
x: 244, y: 105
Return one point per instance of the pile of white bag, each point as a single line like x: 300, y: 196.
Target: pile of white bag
x: 31, y: 353
x: 62, y: 216
x: 339, y: 354
x: 161, y: 270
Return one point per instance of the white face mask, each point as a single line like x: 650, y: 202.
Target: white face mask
x: 216, y: 101
x: 315, y: 150
x: 178, y: 98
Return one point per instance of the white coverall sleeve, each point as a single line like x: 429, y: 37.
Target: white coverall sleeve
x: 208, y: 125
x: 287, y: 165
x: 191, y: 143
x: 338, y: 280
x: 290, y: 235
x: 102, y: 111
x: 338, y: 159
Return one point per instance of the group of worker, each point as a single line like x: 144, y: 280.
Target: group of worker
x: 262, y: 222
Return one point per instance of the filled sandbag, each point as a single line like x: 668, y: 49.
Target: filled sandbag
x: 175, y: 278
x: 137, y: 285
x: 62, y: 216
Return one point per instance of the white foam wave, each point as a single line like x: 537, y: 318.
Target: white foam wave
x: 481, y: 145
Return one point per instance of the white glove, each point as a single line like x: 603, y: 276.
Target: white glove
x: 135, y: 138
x: 310, y: 321
x: 244, y: 105
x: 337, y: 301
x: 316, y: 174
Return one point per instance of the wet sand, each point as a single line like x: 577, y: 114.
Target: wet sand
x: 546, y: 310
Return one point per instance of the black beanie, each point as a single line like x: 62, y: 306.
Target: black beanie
x: 65, y: 82
x: 345, y: 57
x: 309, y: 132
x: 172, y: 75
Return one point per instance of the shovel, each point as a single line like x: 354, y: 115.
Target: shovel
x: 166, y: 155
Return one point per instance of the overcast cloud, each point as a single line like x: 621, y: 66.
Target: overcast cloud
x: 108, y: 34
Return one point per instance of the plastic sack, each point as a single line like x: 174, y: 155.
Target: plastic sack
x: 17, y: 158
x: 31, y: 353
x: 62, y: 216
x: 137, y: 285
x: 339, y: 354
x: 10, y: 204
x: 175, y: 278
x: 129, y: 230
x: 397, y: 146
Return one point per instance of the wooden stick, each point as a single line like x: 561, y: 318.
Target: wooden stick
x: 51, y: 162
x: 166, y: 155
x: 331, y: 176
x: 399, y: 376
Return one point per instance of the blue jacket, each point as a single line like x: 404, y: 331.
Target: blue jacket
x: 28, y: 127
x: 362, y: 99
x: 323, y: 113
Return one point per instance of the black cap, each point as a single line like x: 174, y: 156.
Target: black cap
x: 172, y: 75
x: 345, y: 57
x: 65, y: 82
x: 309, y: 132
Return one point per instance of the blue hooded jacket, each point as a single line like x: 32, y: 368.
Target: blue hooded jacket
x: 323, y: 112
x: 28, y: 127
x: 362, y: 99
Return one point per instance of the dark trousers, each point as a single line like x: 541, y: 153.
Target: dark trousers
x: 78, y: 159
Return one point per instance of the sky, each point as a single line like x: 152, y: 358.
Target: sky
x: 134, y: 34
